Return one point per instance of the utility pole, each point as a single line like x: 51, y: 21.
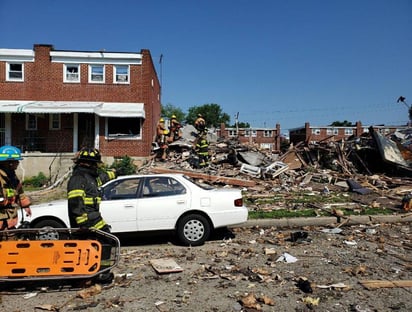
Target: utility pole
x: 237, y: 124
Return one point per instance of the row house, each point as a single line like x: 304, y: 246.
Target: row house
x: 264, y: 138
x: 57, y: 101
x: 316, y: 134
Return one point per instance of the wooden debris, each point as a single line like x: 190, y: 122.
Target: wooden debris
x: 207, y: 177
x: 373, y: 284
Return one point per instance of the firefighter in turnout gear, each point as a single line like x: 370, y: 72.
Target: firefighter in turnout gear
x: 161, y: 139
x: 200, y: 124
x: 202, y: 150
x: 11, y: 191
x: 175, y: 131
x: 83, y: 190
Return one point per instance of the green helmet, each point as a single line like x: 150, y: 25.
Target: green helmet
x: 8, y: 152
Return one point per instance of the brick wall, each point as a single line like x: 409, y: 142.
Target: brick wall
x: 43, y: 81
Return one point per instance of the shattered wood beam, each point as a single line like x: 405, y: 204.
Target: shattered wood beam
x: 371, y: 284
x: 207, y: 177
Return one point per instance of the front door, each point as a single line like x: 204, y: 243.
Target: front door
x: 86, y: 130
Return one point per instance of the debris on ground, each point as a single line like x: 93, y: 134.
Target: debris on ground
x: 371, y: 171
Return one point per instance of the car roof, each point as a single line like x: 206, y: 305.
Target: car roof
x: 149, y: 175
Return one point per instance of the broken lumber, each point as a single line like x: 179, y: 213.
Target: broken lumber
x: 207, y: 177
x: 373, y: 284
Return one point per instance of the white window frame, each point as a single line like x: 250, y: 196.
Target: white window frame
x: 329, y: 131
x: 267, y: 133
x: 247, y: 133
x: 94, y: 74
x: 254, y: 133
x: 116, y: 75
x: 67, y: 74
x: 335, y: 131
x: 53, y: 119
x: 348, y: 131
x: 316, y: 131
x: 122, y: 136
x: 232, y: 133
x: 28, y: 121
x: 10, y: 71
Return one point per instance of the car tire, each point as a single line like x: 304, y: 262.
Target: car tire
x: 193, y: 230
x: 46, y: 230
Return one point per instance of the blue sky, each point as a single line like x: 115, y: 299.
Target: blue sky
x: 271, y: 61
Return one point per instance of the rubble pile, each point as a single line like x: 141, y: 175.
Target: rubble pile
x: 373, y: 170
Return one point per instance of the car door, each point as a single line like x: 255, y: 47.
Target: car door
x: 162, y: 201
x: 119, y: 204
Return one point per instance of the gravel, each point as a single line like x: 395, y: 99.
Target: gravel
x: 311, y: 268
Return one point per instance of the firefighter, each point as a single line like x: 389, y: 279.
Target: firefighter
x: 200, y: 124
x: 83, y: 191
x: 175, y: 132
x: 202, y: 151
x: 161, y: 139
x: 11, y: 191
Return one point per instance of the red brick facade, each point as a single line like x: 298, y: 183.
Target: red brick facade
x: 265, y: 138
x: 316, y: 134
x: 43, y: 81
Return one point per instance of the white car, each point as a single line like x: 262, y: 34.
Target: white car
x: 156, y: 202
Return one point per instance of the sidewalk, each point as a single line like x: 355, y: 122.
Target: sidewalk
x: 328, y: 221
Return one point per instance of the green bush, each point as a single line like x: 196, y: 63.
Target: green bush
x: 124, y: 166
x: 37, y: 181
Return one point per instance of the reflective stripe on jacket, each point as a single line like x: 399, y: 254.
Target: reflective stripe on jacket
x: 84, y: 198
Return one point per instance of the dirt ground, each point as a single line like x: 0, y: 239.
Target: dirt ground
x: 247, y: 269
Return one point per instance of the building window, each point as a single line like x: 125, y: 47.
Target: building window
x: 71, y: 73
x: 121, y: 74
x: 123, y: 128
x: 252, y: 133
x: 329, y: 131
x: 96, y: 73
x: 316, y: 131
x: 267, y: 133
x: 348, y: 131
x: 336, y: 131
x: 232, y: 133
x: 31, y: 122
x: 15, y: 72
x: 54, y: 121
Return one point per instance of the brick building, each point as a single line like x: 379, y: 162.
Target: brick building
x: 56, y: 101
x: 315, y: 134
x: 265, y: 138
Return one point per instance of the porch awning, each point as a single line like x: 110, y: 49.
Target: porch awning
x: 103, y: 109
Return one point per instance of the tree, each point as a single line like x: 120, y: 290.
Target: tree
x: 168, y: 110
x: 242, y: 125
x: 344, y: 123
x: 212, y: 113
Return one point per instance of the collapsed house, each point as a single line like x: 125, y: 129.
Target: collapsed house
x: 385, y: 162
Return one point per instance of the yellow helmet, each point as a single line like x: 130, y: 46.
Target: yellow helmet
x: 173, y: 117
x: 162, y: 120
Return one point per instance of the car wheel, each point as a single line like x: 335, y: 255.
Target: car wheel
x: 47, y: 230
x: 193, y: 230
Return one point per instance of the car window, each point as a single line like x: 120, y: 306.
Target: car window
x: 162, y: 186
x: 121, y: 189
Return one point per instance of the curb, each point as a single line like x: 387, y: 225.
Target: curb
x: 326, y: 221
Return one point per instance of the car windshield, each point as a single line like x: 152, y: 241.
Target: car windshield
x: 199, y: 183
